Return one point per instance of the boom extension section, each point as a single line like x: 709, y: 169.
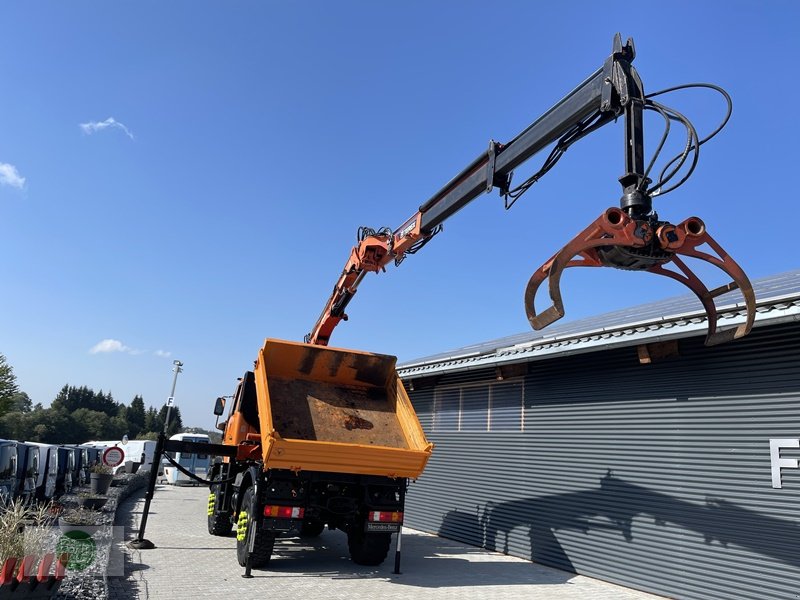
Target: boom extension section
x: 630, y: 237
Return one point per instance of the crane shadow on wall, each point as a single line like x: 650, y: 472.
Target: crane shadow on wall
x: 614, y: 506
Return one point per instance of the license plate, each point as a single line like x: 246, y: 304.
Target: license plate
x: 394, y: 527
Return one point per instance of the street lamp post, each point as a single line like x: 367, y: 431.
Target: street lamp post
x: 171, y: 400
x: 140, y: 543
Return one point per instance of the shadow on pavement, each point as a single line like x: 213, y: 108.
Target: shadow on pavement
x: 427, y: 561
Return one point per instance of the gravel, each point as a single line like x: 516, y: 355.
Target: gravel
x: 92, y: 581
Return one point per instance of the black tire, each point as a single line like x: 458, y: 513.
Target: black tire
x: 368, y: 549
x: 264, y: 542
x: 219, y: 523
x: 312, y: 528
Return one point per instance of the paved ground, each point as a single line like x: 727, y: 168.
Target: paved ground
x: 189, y: 563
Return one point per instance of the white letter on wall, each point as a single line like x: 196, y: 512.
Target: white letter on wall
x: 777, y: 462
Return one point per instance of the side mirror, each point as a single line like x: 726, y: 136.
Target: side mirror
x: 219, y: 406
x: 221, y: 426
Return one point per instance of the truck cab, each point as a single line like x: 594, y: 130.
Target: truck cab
x: 242, y: 413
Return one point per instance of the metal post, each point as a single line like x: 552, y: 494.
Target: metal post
x: 171, y: 400
x: 140, y: 543
x: 253, y: 528
x: 398, y: 548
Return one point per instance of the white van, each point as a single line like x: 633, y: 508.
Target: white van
x: 199, y: 464
x: 139, y: 455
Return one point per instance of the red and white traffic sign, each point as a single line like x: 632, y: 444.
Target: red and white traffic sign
x: 113, y: 456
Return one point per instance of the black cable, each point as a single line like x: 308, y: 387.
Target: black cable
x: 577, y: 132
x: 365, y: 232
x: 670, y: 170
x: 555, y: 154
x: 195, y: 477
x: 710, y: 86
x: 417, y: 246
x: 680, y: 159
x: 692, y: 137
x: 664, y: 137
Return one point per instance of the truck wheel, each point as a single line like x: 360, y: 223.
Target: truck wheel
x: 312, y: 528
x: 219, y: 523
x: 368, y: 548
x: 265, y: 540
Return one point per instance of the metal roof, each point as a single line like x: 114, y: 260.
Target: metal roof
x: 778, y: 300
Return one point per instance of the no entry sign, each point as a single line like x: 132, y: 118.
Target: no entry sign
x: 113, y: 456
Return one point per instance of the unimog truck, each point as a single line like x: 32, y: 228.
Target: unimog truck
x: 326, y: 438
x: 321, y: 437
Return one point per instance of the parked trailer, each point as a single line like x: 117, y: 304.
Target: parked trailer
x: 197, y: 463
x: 77, y: 472
x: 66, y: 470
x: 48, y: 471
x: 90, y: 456
x: 29, y: 478
x: 9, y: 476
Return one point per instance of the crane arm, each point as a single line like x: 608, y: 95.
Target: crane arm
x: 606, y: 91
x: 613, y: 90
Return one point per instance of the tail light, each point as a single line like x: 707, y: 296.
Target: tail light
x: 284, y: 512
x: 385, y: 517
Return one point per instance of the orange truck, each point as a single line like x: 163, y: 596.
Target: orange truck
x: 325, y: 437
x: 317, y: 436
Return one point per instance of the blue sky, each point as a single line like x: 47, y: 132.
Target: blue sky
x: 181, y: 180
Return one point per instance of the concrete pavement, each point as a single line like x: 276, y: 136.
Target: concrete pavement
x: 188, y: 563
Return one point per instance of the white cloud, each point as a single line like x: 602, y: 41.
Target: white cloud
x: 10, y: 176
x: 110, y: 345
x: 94, y: 126
x: 162, y: 353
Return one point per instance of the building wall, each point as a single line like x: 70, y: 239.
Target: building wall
x: 657, y: 476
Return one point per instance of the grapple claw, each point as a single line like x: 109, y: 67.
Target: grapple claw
x: 613, y: 227
x: 617, y: 240
x: 694, y: 234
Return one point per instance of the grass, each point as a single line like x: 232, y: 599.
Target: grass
x: 24, y: 529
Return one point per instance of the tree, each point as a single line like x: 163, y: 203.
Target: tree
x: 21, y: 402
x: 136, y: 416
x: 8, y: 385
x: 98, y: 425
x: 151, y: 423
x: 104, y: 403
x: 72, y: 398
x: 17, y: 425
x: 175, y: 421
x: 55, y: 426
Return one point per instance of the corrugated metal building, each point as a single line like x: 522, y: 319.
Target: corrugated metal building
x: 562, y: 447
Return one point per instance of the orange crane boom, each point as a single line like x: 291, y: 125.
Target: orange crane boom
x: 630, y: 237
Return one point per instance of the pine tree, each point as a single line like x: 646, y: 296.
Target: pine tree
x: 136, y: 417
x: 151, y: 421
x: 175, y: 421
x: 8, y: 385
